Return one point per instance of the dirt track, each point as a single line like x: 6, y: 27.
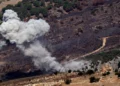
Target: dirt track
x: 11, y: 2
x: 104, y: 41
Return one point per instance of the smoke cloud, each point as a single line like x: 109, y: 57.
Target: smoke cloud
x: 42, y: 58
x: 77, y: 65
x: 20, y: 32
x: 9, y: 14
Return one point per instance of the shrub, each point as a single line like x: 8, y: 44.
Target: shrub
x: 78, y: 6
x: 19, y: 4
x: 99, y: 27
x: 116, y: 71
x: 22, y: 12
x: 42, y: 3
x: 68, y: 6
x: 28, y: 6
x: 49, y: 7
x: 93, y: 11
x: 68, y: 81
x: 58, y: 3
x: 69, y: 71
x: 44, y: 12
x: 56, y: 72
x: 35, y: 11
x: 118, y: 74
x: 119, y: 65
x: 106, y: 73
x: 93, y: 79
x: 90, y: 72
x: 80, y: 73
x: 36, y: 3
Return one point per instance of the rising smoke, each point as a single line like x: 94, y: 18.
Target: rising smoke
x: 20, y: 32
x: 2, y: 44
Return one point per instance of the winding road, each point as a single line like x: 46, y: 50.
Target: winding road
x: 104, y: 41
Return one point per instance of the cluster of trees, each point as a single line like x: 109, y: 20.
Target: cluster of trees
x: 28, y: 8
x: 35, y: 7
x: 68, y: 5
x: 80, y: 73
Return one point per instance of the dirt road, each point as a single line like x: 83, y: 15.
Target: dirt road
x: 104, y: 41
x: 11, y: 2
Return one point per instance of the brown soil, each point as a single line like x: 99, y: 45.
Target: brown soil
x: 11, y: 2
x: 58, y: 80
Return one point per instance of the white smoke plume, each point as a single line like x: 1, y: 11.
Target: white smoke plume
x: 2, y: 43
x: 42, y: 58
x: 77, y: 65
x: 20, y: 32
x: 9, y: 14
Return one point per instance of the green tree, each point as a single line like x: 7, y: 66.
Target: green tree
x: 28, y: 6
x: 49, y: 7
x: 68, y: 6
x: 21, y: 11
x: 35, y: 11
x: 19, y: 4
x: 44, y: 11
x: 42, y: 3
x: 58, y: 3
x: 36, y: 3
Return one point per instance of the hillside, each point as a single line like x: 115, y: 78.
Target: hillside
x: 75, y: 77
x: 79, y: 30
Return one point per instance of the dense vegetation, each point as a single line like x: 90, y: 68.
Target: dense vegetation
x: 27, y: 8
x: 105, y: 56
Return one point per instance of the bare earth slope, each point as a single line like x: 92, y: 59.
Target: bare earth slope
x: 73, y: 35
x: 4, y: 3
